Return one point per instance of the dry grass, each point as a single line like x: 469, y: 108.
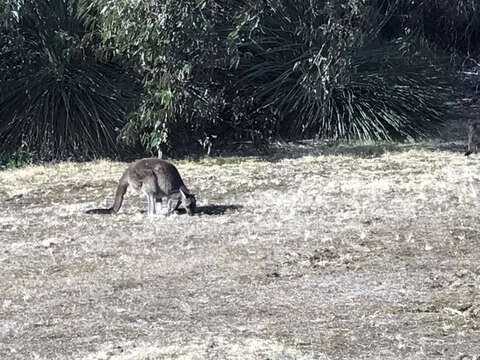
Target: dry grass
x: 367, y: 252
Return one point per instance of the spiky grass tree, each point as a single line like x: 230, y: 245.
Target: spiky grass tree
x: 316, y: 68
x: 56, y: 98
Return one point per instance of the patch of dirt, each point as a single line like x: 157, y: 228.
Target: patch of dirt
x: 307, y: 254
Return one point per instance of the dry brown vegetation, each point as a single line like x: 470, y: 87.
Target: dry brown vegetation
x: 367, y: 252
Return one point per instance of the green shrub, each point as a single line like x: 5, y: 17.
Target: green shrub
x: 311, y: 72
x: 217, y: 72
x: 56, y: 96
x: 452, y: 25
x: 177, y: 48
x: 16, y: 158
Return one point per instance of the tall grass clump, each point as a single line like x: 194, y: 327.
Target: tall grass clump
x: 310, y: 70
x: 57, y: 100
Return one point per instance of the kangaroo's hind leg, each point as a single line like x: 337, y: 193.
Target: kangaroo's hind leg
x: 151, y: 204
x: 149, y: 187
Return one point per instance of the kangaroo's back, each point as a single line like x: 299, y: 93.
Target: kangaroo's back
x: 167, y: 176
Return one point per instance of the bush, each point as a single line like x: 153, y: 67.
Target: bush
x: 57, y: 100
x: 178, y: 49
x: 212, y: 73
x: 452, y: 25
x: 309, y: 70
x: 220, y: 72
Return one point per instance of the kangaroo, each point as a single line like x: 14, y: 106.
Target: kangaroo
x: 473, y: 137
x: 160, y: 181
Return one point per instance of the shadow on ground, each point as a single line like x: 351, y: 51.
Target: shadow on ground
x: 450, y: 137
x: 214, y: 209
x: 298, y: 150
x: 211, y: 209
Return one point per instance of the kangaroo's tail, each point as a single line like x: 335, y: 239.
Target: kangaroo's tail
x: 117, y: 203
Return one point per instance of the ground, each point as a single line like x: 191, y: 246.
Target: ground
x: 311, y: 252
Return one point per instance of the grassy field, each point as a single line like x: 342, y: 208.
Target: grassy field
x: 312, y: 252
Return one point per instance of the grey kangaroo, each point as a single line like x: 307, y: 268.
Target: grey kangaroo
x: 160, y: 181
x: 473, y: 137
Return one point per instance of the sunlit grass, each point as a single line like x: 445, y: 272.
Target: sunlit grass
x: 303, y: 253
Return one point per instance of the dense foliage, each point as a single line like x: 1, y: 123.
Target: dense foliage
x: 216, y: 72
x: 178, y: 49
x: 305, y: 65
x: 450, y: 25
x: 57, y: 100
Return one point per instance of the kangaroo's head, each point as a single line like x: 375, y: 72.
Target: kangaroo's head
x: 189, y: 202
